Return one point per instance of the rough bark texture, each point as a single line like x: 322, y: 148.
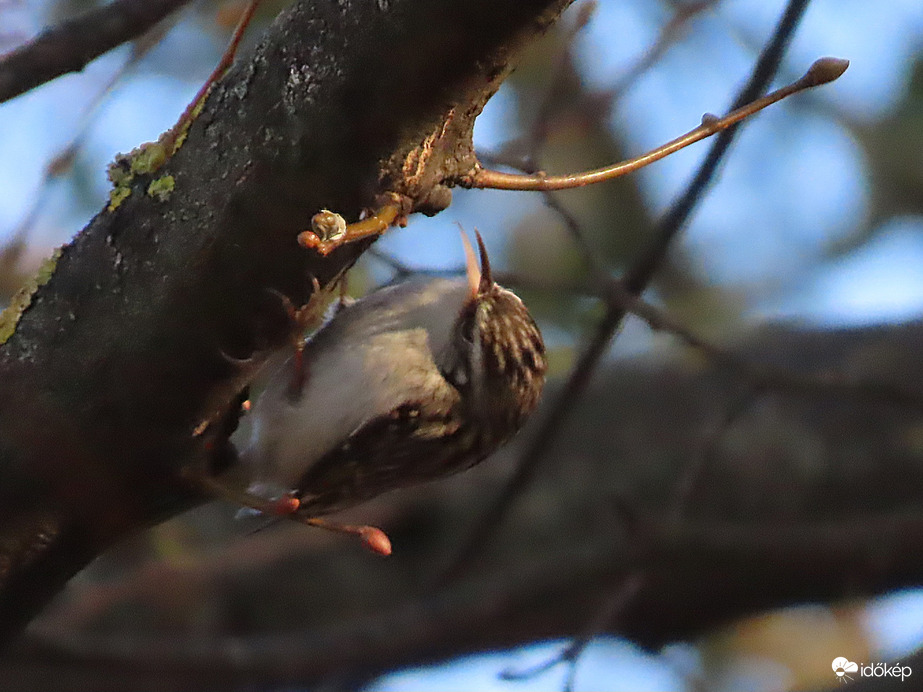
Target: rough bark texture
x: 805, y: 494
x: 122, y: 354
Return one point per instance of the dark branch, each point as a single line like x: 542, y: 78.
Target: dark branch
x: 69, y: 46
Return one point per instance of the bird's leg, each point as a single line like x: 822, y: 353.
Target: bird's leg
x: 373, y: 539
x: 329, y: 230
x: 344, y: 301
x: 300, y: 319
x: 280, y: 507
x: 287, y: 506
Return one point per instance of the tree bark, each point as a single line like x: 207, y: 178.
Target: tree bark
x: 128, y: 348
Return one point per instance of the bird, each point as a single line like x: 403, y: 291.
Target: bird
x: 412, y: 383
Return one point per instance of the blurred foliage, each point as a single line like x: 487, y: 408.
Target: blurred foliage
x: 783, y: 649
x: 894, y: 155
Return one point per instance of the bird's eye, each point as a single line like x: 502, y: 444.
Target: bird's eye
x: 466, y: 326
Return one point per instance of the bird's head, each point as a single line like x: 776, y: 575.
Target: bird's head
x: 499, y: 362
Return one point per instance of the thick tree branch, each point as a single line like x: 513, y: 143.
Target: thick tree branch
x: 124, y: 353
x: 69, y: 46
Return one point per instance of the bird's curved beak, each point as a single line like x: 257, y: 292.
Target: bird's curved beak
x: 479, y: 278
x: 486, y: 279
x: 471, y: 265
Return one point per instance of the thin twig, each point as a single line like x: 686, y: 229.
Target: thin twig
x: 673, y: 221
x: 169, y: 138
x: 822, y: 72
x: 603, y: 619
x: 564, y: 68
x: 62, y: 162
x: 668, y: 35
x: 538, y: 134
x: 685, y: 487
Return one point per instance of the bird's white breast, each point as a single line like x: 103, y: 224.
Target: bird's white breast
x: 371, y: 358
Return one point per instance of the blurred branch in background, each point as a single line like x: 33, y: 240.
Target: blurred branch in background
x: 69, y: 46
x: 765, y: 527
x: 12, y: 247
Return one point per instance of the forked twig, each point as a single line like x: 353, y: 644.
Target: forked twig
x: 823, y: 71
